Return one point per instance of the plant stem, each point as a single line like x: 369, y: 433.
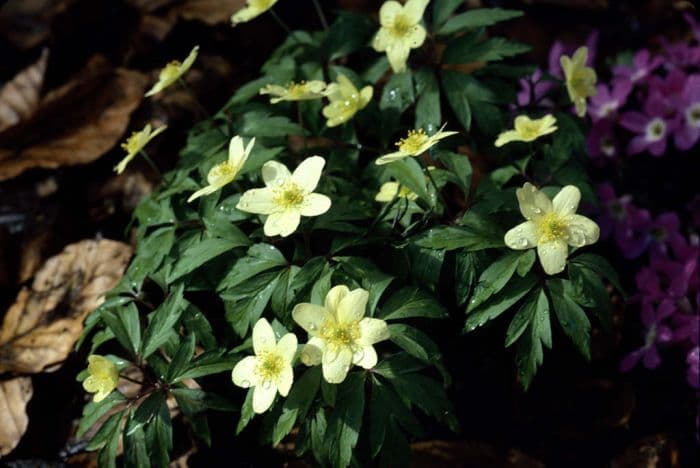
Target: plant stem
x: 280, y: 22
x: 437, y: 190
x: 321, y: 16
x: 151, y: 163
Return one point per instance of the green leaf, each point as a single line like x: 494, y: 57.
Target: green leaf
x: 108, y: 454
x: 346, y: 420
x: 442, y: 9
x: 147, y: 410
x: 150, y: 253
x: 194, y: 400
x: 410, y: 174
x: 135, y: 452
x: 200, y: 253
x: 159, y: 435
x: 414, y: 342
x: 529, y: 352
x: 426, y: 394
x: 454, y: 87
x: 245, y: 303
x: 428, y: 114
x: 182, y: 358
x: 571, y: 317
x: 218, y: 225
x: 247, y: 412
x: 460, y: 166
x: 260, y: 258
x: 348, y: 33
x: 477, y: 233
x: 601, y: 266
x: 398, y: 364
x: 163, y: 320
x: 249, y: 90
x: 106, y: 432
x: 478, y: 18
x: 262, y: 124
x: 92, y: 412
x: 527, y: 260
x: 126, y: 326
x: 466, y: 266
x: 398, y: 92
x: 591, y: 292
x: 297, y: 403
x: 207, y: 363
x: 374, y: 280
x: 535, y: 301
x: 409, y: 302
x: 500, y: 302
x: 495, y: 277
x: 196, y: 323
x: 467, y: 48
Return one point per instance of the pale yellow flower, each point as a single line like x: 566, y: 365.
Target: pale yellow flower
x: 345, y: 101
x: 339, y: 333
x: 287, y: 196
x: 270, y: 371
x: 390, y: 190
x: 580, y: 79
x: 527, y: 129
x: 400, y: 31
x: 302, y: 91
x: 551, y: 226
x: 172, y: 72
x: 135, y: 143
x: 415, y: 144
x: 102, y: 377
x: 253, y: 9
x: 224, y: 173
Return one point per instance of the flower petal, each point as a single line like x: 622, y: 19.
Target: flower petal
x: 414, y: 9
x: 260, y: 201
x: 336, y: 364
x: 533, y: 203
x: 282, y: 223
x: 373, y: 330
x: 416, y: 37
x: 521, y: 237
x: 553, y: 256
x: 507, y: 137
x: 284, y: 380
x: 202, y: 192
x: 308, y: 173
x: 243, y: 374
x: 275, y: 174
x: 311, y: 317
x: 566, y: 201
x: 365, y: 357
x: 388, y: 12
x: 391, y: 157
x: 263, y: 337
x: 582, y: 231
x: 397, y: 53
x: 382, y: 40
x: 312, y: 352
x: 334, y: 296
x: 236, y: 152
x: 287, y: 347
x: 315, y: 204
x: 352, y: 307
x: 263, y: 396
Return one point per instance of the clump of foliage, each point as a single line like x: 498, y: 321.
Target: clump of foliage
x: 239, y: 258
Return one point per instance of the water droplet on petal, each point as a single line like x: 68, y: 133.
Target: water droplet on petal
x: 245, y: 384
x: 266, y: 385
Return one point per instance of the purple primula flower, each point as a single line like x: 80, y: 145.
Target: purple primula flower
x: 665, y: 232
x: 533, y: 89
x: 632, y: 235
x: 643, y: 65
x: 652, y: 127
x: 607, y: 102
x: 693, y: 360
x: 601, y: 140
x: 680, y: 55
x: 688, y: 131
x: 656, y: 333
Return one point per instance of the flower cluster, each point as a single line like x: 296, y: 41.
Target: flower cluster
x: 339, y: 336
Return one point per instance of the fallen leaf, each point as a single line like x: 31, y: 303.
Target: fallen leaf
x: 14, y: 396
x: 19, y: 97
x: 32, y: 255
x: 27, y: 23
x: 432, y: 453
x: 40, y: 328
x: 209, y: 11
x: 650, y: 452
x: 76, y: 123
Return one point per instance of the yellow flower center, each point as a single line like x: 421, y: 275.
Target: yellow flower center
x: 133, y: 143
x: 693, y: 115
x: 655, y: 130
x: 289, y: 196
x: 551, y: 227
x: 582, y: 82
x: 171, y: 71
x: 296, y: 90
x: 340, y: 334
x: 269, y: 366
x: 404, y: 192
x: 401, y: 27
x: 414, y: 142
x: 221, y: 172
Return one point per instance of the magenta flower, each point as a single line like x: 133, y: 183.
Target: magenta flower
x: 693, y: 360
x: 688, y: 131
x: 643, y: 65
x: 656, y: 333
x: 601, y: 140
x: 607, y: 101
x: 652, y: 127
x: 533, y: 89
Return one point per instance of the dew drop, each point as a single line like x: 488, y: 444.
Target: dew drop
x: 245, y: 384
x: 537, y: 210
x: 523, y: 242
x: 312, y: 327
x: 267, y: 385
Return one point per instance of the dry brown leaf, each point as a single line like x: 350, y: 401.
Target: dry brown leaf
x: 40, y: 328
x: 14, y: 396
x: 27, y: 23
x: 76, y: 123
x: 19, y: 97
x: 32, y: 255
x: 209, y: 11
